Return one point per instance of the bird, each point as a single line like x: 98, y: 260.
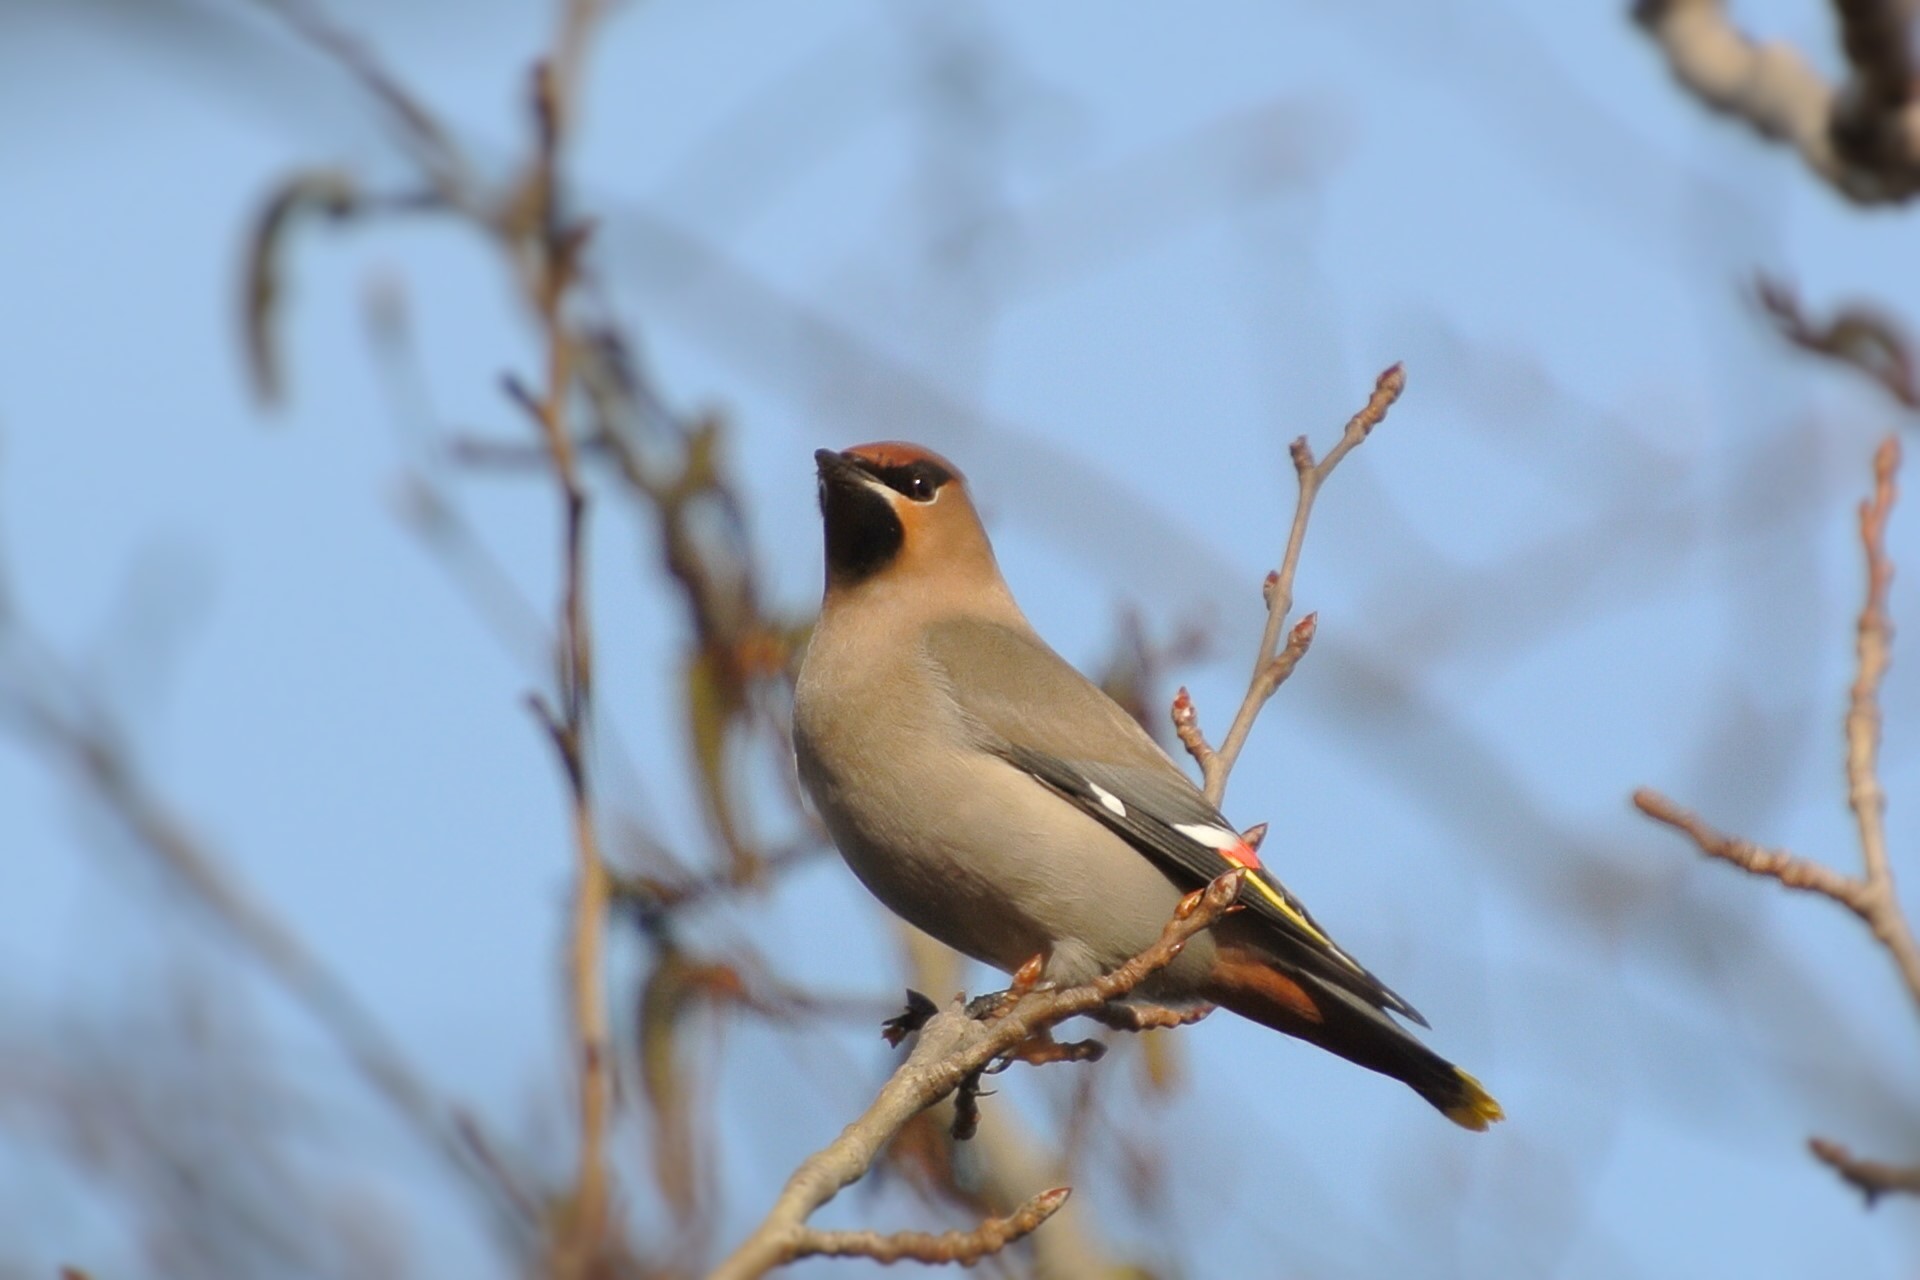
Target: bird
x: 992, y: 796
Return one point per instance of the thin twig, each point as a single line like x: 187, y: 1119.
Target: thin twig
x: 568, y: 729
x: 963, y: 1247
x: 952, y: 1048
x: 1872, y: 1178
x: 569, y: 725
x: 1789, y: 869
x: 1861, y: 336
x: 1871, y: 896
x: 426, y: 139
x: 1874, y: 653
x: 1274, y: 663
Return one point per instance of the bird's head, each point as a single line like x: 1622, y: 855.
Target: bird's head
x: 895, y: 510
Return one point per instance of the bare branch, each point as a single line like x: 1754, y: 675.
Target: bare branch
x: 953, y: 1048
x: 1789, y: 869
x: 1874, y: 652
x: 963, y: 1247
x: 1275, y: 663
x: 1862, y: 337
x: 1186, y: 726
x: 427, y: 141
x: 1871, y: 1178
x: 1862, y: 139
x: 556, y: 246
x: 1870, y: 896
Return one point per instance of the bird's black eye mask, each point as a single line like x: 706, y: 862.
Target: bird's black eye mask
x: 921, y: 481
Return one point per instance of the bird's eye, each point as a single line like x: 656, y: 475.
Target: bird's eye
x: 918, y: 481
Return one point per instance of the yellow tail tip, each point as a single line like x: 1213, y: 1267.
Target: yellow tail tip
x: 1476, y: 1108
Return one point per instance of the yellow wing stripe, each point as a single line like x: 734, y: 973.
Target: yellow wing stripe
x: 1280, y: 904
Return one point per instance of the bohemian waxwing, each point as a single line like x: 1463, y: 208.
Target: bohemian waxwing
x: 991, y: 795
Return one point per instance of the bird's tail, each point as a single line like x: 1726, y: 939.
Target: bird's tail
x: 1253, y: 986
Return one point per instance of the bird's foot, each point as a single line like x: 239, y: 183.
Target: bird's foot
x: 1041, y: 1048
x: 994, y: 1005
x: 1135, y: 1016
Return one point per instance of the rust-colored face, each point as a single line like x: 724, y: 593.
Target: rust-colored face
x: 882, y: 504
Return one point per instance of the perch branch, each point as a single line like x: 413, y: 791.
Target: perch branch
x: 953, y: 1048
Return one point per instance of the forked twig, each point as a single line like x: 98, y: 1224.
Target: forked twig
x: 1275, y: 662
x: 1871, y: 895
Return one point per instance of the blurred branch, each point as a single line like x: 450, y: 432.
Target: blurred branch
x: 588, y: 370
x: 427, y: 142
x: 556, y: 245
x: 1870, y: 125
x: 1274, y: 663
x: 77, y: 737
x: 1863, y: 138
x: 323, y: 193
x: 963, y: 1247
x: 1862, y: 337
x: 1132, y: 674
x: 1871, y: 895
x: 955, y: 1048
x: 1872, y: 1178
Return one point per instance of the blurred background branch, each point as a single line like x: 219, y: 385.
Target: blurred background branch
x: 1862, y: 136
x: 52, y: 710
x: 1034, y: 245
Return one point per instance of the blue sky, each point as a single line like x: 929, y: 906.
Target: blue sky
x: 1604, y: 540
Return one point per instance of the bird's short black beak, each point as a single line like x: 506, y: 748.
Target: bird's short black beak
x: 836, y: 466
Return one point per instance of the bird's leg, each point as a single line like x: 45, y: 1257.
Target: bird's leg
x: 994, y: 1005
x: 1039, y: 1049
x: 966, y: 1107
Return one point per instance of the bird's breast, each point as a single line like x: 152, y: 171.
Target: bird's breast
x: 959, y: 842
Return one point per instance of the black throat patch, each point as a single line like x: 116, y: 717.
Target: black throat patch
x: 863, y: 533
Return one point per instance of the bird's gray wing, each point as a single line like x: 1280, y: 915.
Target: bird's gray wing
x: 1028, y: 705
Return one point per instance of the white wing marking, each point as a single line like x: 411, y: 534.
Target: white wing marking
x: 1209, y: 835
